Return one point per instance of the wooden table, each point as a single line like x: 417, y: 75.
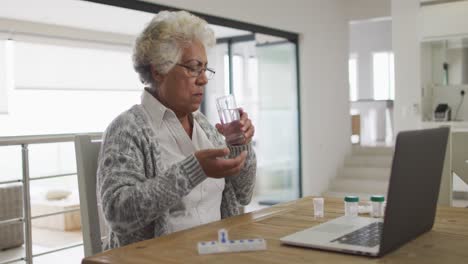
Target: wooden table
x: 446, y: 243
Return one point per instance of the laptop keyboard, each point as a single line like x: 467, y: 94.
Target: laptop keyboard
x: 367, y: 236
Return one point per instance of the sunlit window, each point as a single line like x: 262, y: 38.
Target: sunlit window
x: 73, y: 67
x: 226, y: 74
x: 62, y: 87
x: 252, y: 67
x: 383, y: 76
x: 352, y: 68
x: 238, y: 76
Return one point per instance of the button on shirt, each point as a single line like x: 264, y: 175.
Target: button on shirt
x: 202, y: 204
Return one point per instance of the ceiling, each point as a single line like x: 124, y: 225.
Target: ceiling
x: 87, y: 15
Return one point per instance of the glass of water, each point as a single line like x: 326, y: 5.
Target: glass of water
x: 229, y: 114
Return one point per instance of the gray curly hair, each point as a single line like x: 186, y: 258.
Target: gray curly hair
x: 162, y: 41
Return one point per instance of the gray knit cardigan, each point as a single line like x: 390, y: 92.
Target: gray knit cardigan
x: 135, y: 189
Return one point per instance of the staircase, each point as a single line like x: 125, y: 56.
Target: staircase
x: 365, y: 172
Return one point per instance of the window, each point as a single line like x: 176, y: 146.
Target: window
x: 62, y: 87
x: 238, y: 77
x: 226, y: 74
x: 353, y: 80
x: 57, y: 86
x: 383, y: 76
x: 264, y: 81
x: 252, y: 82
x: 73, y: 66
x: 277, y: 126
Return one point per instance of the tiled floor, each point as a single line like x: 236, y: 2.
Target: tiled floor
x: 46, y: 240
x: 72, y: 256
x: 52, y: 238
x: 69, y: 256
x: 11, y: 254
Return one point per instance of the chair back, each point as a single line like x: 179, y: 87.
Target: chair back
x: 87, y: 152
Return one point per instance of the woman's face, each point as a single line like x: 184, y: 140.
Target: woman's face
x: 179, y: 90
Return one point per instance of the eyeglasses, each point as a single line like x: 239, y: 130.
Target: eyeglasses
x: 196, y: 71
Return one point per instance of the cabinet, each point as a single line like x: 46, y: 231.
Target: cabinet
x: 456, y: 158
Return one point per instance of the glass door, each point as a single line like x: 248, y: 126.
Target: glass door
x: 264, y: 82
x: 277, y: 130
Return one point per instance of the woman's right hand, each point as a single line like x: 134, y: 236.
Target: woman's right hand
x: 215, y: 165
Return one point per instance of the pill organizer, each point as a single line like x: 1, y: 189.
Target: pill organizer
x: 224, y: 244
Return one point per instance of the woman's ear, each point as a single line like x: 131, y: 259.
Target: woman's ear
x: 156, y: 75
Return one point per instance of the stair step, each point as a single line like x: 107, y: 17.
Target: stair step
x: 361, y: 150
x: 359, y: 186
x: 363, y: 173
x: 378, y: 161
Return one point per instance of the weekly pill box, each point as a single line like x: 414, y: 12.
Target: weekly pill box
x: 223, y: 244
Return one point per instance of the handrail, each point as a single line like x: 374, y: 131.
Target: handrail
x: 41, y: 139
x: 55, y: 213
x: 12, y: 221
x: 52, y: 176
x: 39, y: 178
x: 24, y: 142
x: 11, y: 181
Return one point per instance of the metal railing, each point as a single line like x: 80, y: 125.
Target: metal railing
x: 24, y: 142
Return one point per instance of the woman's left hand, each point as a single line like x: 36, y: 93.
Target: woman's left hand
x: 247, y: 127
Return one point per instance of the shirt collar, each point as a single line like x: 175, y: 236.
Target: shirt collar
x: 155, y: 109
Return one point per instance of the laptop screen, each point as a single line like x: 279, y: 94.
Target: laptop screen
x: 414, y: 186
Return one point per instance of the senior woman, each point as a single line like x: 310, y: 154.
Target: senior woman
x: 163, y: 167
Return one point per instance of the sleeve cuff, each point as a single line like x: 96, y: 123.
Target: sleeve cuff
x: 194, y: 170
x: 236, y: 150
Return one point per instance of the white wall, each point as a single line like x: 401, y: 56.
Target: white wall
x: 3, y: 79
x: 432, y: 57
x: 444, y: 20
x: 323, y: 29
x: 365, y: 38
x: 367, y: 9
x: 411, y: 24
x: 405, y: 43
x: 450, y: 95
x: 426, y: 82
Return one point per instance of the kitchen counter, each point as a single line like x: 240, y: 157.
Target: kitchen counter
x: 456, y: 126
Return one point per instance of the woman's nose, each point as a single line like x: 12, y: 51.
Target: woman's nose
x: 202, y: 78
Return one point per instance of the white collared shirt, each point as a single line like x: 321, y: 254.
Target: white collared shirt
x: 202, y: 204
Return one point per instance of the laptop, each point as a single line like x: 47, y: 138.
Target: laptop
x: 411, y: 205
